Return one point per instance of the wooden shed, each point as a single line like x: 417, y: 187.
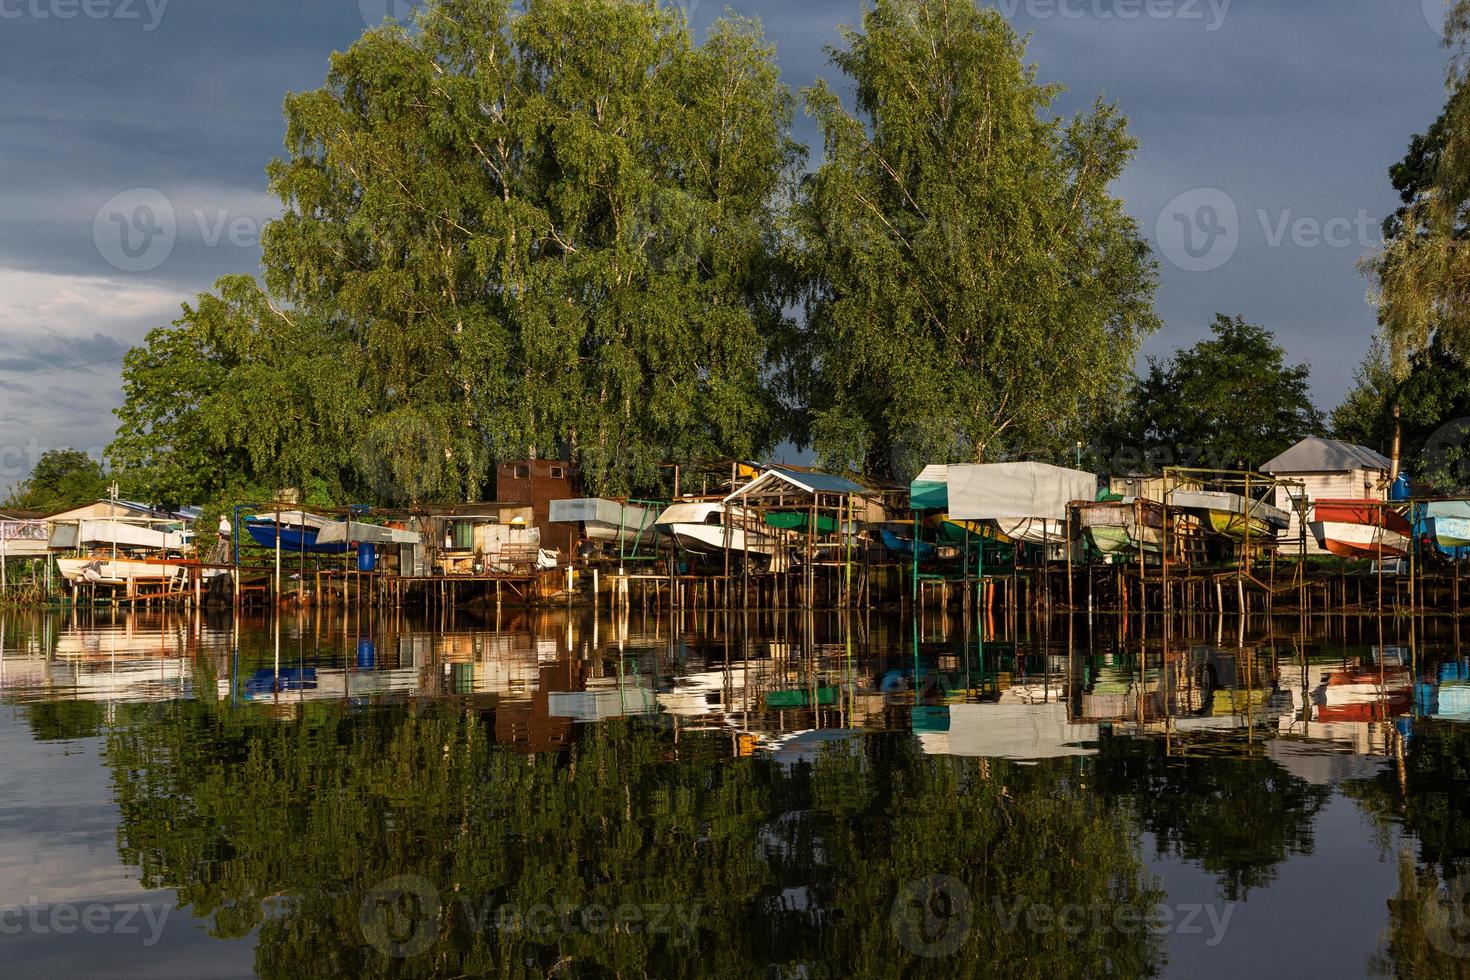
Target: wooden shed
x: 1330, y: 470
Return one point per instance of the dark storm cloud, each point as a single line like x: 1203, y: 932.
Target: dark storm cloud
x: 1292, y: 110
x: 49, y: 354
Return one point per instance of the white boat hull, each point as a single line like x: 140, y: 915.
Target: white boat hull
x: 712, y: 539
x: 1360, y: 540
x: 108, y: 571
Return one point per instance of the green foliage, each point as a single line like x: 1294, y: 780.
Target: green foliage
x: 1423, y: 272
x: 505, y: 235
x: 62, y: 479
x: 974, y: 290
x: 1433, y: 395
x: 1228, y: 402
x: 1365, y: 416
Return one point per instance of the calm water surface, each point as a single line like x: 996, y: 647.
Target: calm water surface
x: 742, y: 795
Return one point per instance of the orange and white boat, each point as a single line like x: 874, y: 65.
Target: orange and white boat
x: 1361, y: 529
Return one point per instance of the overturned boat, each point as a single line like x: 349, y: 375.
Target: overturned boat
x: 1130, y: 524
x: 608, y: 522
x: 1232, y: 514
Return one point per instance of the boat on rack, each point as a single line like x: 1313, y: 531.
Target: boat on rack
x: 121, y: 552
x: 118, y: 534
x: 1448, y: 523
x: 1130, y: 524
x: 898, y: 537
x: 296, y: 531
x: 607, y: 521
x: 1232, y: 514
x: 1032, y: 530
x: 1361, y: 529
x: 957, y: 532
x: 699, y: 528
x: 101, y: 570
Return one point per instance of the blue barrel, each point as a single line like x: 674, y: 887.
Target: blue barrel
x: 367, y: 557
x: 367, y: 654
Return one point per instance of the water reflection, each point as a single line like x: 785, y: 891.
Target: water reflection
x: 813, y: 794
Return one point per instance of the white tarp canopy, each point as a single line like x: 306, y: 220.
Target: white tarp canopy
x: 1018, y: 491
x: 366, y: 534
x: 80, y: 534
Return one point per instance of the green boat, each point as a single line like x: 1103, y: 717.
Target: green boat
x: 955, y: 532
x: 799, y: 520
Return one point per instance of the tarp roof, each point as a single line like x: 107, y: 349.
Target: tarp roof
x: 1016, y: 490
x: 804, y: 481
x: 1315, y: 455
x: 930, y: 489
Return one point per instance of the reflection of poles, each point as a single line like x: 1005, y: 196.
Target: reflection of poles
x: 1068, y: 530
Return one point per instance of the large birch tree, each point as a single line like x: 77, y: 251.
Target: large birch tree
x: 977, y: 291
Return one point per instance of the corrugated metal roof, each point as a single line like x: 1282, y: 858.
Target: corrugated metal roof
x: 1315, y: 455
x: 821, y: 482
x: 802, y: 480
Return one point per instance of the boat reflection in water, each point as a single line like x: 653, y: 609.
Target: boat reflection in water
x: 763, y: 679
x: 792, y: 777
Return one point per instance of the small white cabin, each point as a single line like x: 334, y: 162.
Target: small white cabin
x: 1330, y: 470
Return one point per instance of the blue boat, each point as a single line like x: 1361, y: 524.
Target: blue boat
x: 295, y: 538
x: 906, y: 546
x: 1445, y: 523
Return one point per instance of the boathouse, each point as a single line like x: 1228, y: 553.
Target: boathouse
x: 1327, y: 469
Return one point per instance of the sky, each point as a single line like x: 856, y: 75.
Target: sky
x: 134, y: 136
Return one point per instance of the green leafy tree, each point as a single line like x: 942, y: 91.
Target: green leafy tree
x: 1365, y: 416
x: 1423, y: 272
x: 976, y: 290
x: 1433, y: 397
x: 1421, y: 369
x: 61, y: 479
x: 505, y: 234
x: 1229, y: 401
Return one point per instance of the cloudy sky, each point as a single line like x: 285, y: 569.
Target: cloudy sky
x: 136, y: 134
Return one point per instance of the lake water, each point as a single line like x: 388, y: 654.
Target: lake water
x: 773, y: 795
